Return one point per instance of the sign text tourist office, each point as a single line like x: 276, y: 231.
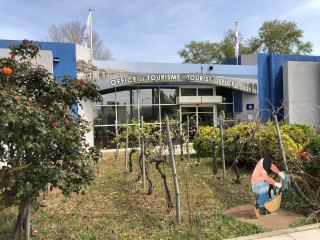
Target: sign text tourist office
x: 172, y: 78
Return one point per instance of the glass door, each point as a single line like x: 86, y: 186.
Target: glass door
x: 205, y: 116
x: 198, y: 115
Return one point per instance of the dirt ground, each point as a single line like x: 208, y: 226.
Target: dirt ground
x: 278, y: 220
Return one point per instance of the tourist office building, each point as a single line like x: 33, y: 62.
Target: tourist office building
x: 131, y: 90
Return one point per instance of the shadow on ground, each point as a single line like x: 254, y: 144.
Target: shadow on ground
x: 278, y: 220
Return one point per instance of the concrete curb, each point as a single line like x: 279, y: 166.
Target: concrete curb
x: 176, y: 149
x: 279, y: 232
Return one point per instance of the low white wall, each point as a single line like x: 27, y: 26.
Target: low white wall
x: 45, y: 59
x: 301, y: 85
x: 86, y: 112
x: 82, y: 53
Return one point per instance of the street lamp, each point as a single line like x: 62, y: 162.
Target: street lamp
x: 144, y: 99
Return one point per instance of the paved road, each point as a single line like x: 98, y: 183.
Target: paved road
x: 309, y: 232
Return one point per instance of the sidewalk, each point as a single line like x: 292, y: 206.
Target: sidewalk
x: 309, y: 232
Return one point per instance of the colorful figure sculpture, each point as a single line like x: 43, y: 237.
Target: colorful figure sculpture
x: 260, y: 183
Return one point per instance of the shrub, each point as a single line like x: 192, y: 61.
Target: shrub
x: 300, y: 134
x: 207, y: 136
x: 42, y: 138
x: 254, y: 141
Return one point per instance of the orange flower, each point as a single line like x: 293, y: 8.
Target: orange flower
x: 7, y: 70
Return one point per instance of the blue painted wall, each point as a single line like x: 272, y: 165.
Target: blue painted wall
x: 66, y: 52
x: 270, y: 78
x: 270, y: 81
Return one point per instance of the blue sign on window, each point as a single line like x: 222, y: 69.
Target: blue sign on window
x: 250, y: 106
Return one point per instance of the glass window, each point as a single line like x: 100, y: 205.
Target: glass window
x: 188, y: 111
x: 148, y: 95
x: 226, y: 94
x: 109, y: 97
x: 170, y: 110
x: 150, y: 113
x: 168, y: 95
x: 205, y: 109
x: 104, y: 115
x: 127, y: 96
x: 205, y: 92
x: 227, y: 108
x: 106, y: 135
x: 188, y: 92
x: 205, y: 116
x: 124, y: 112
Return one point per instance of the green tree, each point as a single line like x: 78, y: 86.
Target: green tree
x: 207, y: 52
x: 226, y: 49
x: 199, y: 52
x: 283, y: 37
x: 41, y: 136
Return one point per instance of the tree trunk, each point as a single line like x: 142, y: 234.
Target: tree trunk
x: 181, y: 148
x: 140, y: 165
x: 130, y: 159
x: 149, y: 180
x: 236, y: 170
x: 214, y: 159
x: 164, y: 177
x: 20, y: 222
x: 199, y: 150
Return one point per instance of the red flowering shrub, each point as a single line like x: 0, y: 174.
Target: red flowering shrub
x: 7, y: 71
x: 31, y: 102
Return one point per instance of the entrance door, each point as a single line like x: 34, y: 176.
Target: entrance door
x: 190, y: 111
x: 206, y: 116
x: 198, y: 115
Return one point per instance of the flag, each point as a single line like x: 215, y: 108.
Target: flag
x: 236, y: 44
x: 86, y: 33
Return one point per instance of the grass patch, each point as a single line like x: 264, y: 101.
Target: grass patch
x: 301, y: 222
x: 117, y: 207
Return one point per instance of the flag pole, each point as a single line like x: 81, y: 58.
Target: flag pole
x: 91, y: 50
x: 237, y: 37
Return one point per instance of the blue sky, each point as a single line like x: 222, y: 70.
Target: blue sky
x: 154, y: 30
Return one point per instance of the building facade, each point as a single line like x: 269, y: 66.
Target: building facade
x: 260, y: 85
x: 132, y: 90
